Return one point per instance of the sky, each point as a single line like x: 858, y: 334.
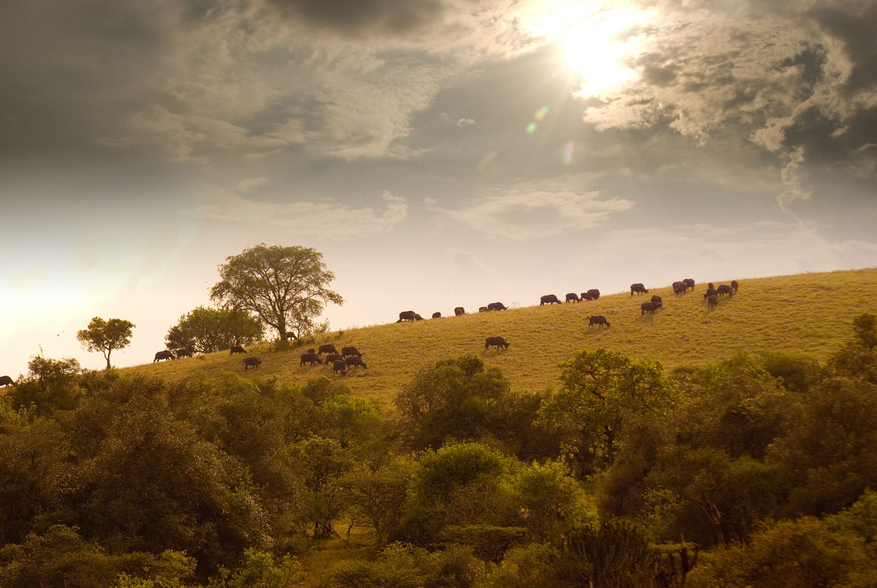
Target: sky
x: 438, y: 153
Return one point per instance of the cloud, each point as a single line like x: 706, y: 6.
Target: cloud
x: 327, y: 220
x: 534, y: 214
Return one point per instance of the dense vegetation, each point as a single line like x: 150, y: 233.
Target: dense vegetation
x: 755, y: 470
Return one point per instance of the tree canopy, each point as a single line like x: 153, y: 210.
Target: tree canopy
x: 286, y: 287
x: 106, y: 335
x: 205, y: 330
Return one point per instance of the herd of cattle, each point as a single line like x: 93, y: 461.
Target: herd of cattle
x: 350, y: 358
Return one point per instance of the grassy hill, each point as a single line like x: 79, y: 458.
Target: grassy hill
x: 805, y: 313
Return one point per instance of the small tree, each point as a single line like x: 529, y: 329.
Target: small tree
x: 205, y: 330
x: 286, y: 287
x: 106, y: 335
x: 865, y: 327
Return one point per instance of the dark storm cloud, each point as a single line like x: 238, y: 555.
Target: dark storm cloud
x: 364, y: 18
x: 855, y: 28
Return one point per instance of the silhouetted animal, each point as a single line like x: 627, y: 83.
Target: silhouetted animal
x: 406, y: 315
x: 459, y: 311
x: 249, y: 362
x: 496, y: 306
x: 648, y: 307
x: 165, y: 355
x: 572, y: 297
x: 436, y: 315
x: 482, y: 309
x: 354, y: 361
x: 237, y: 349
x: 592, y: 294
x: 311, y: 358
x: 332, y: 358
x: 658, y: 300
x: 597, y: 319
x: 638, y: 289
x: 183, y: 353
x: 6, y: 381
x: 496, y: 342
x: 680, y: 288
x: 724, y: 289
x: 712, y: 300
x: 710, y: 286
x: 734, y: 285
x: 327, y: 348
x: 549, y: 299
x: 689, y: 283
x: 312, y: 350
x: 339, y: 366
x: 709, y: 292
x: 345, y: 351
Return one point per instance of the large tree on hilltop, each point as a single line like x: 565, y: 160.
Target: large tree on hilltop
x: 106, y: 335
x: 286, y: 287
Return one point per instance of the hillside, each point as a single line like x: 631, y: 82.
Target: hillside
x: 805, y: 313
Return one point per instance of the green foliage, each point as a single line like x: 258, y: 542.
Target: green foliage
x: 612, y: 555
x: 286, y: 287
x: 50, y: 385
x: 321, y: 462
x: 865, y: 329
x: 206, y: 330
x: 861, y: 517
x: 404, y: 566
x: 258, y: 570
x: 106, y: 335
x: 525, y: 566
x: 380, y: 495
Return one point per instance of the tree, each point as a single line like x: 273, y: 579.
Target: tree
x: 104, y: 336
x: 865, y: 327
x: 205, y: 330
x: 286, y: 287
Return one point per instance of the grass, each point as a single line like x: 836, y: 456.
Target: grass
x: 808, y: 313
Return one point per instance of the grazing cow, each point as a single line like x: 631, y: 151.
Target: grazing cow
x: 592, y: 294
x: 165, y: 355
x: 459, y: 311
x: 712, y: 300
x: 417, y: 317
x: 184, y: 353
x: 658, y: 300
x: 496, y: 306
x: 237, y: 349
x: 648, y: 307
x: 709, y: 292
x: 327, y: 348
x: 436, y: 315
x: 734, y: 285
x: 332, y: 358
x: 354, y: 361
x: 311, y: 358
x: 597, y: 319
x: 339, y: 366
x: 548, y: 299
x: 680, y: 288
x: 724, y: 289
x: 311, y: 350
x: 688, y: 283
x: 251, y: 361
x: 496, y: 342
x: 407, y: 315
x: 482, y: 309
x: 710, y: 286
x: 345, y: 351
x: 6, y: 381
x: 572, y: 297
x: 638, y: 289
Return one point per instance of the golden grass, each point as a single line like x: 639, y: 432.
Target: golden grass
x: 804, y: 313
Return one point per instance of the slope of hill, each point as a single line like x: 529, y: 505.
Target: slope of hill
x: 809, y: 314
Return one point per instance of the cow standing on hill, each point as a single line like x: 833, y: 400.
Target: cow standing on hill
x: 597, y: 319
x: 237, y: 349
x: 339, y: 367
x: 409, y: 316
x: 712, y: 300
x: 689, y: 283
x: 311, y: 358
x: 549, y: 299
x: 251, y: 362
x: 497, y: 342
x: 184, y: 353
x: 436, y: 315
x: 592, y: 294
x: 572, y: 297
x: 332, y: 358
x: 163, y: 355
x: 6, y: 381
x: 345, y: 351
x: 638, y: 289
x: 724, y: 289
x: 734, y: 285
x: 679, y: 288
x: 658, y: 301
x: 649, y: 307
x: 496, y: 306
x: 459, y: 311
x: 326, y: 348
x: 353, y: 361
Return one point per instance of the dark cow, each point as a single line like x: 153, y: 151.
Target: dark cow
x: 734, y: 285
x: 406, y: 315
x: 638, y: 289
x: 184, y: 353
x: 333, y: 357
x: 658, y: 300
x: 592, y: 294
x: 339, y: 366
x: 597, y: 319
x: 345, y: 351
x: 496, y: 306
x: 436, y: 315
x: 497, y: 342
x: 648, y: 307
x: 417, y: 317
x: 311, y: 350
x: 709, y: 292
x: 572, y: 297
x: 712, y: 300
x: 311, y: 358
x: 680, y: 288
x: 459, y: 311
x: 6, y: 381
x: 237, y: 349
x: 724, y: 289
x: 482, y: 309
x: 327, y: 348
x: 354, y: 361
x: 689, y: 283
x: 710, y: 286
x: 251, y: 362
x: 165, y: 355
x: 549, y: 299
